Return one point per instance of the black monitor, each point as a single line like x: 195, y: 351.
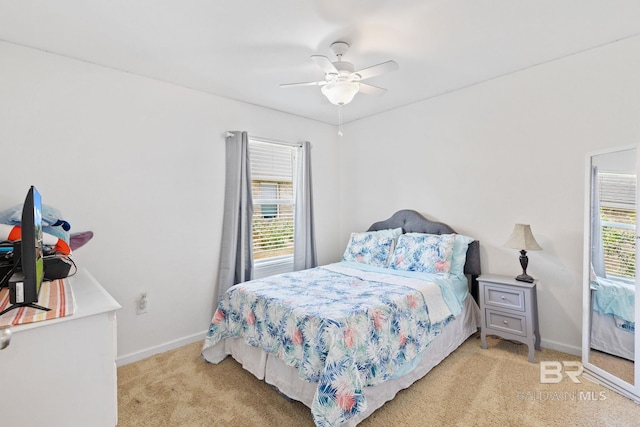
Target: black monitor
x: 25, y: 283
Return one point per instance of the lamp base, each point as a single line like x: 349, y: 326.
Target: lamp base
x: 525, y: 278
x: 524, y: 262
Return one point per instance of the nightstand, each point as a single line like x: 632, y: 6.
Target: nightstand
x: 510, y: 310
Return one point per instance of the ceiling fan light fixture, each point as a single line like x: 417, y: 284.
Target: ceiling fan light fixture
x: 340, y: 92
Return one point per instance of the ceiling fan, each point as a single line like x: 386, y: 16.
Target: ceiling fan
x: 341, y: 82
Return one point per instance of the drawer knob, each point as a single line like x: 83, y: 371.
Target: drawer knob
x: 503, y: 297
x: 505, y: 322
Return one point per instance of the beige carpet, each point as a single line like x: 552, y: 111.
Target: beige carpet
x: 621, y: 368
x: 472, y: 387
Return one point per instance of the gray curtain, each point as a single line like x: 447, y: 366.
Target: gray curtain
x: 597, y: 250
x: 236, y: 258
x: 304, y: 246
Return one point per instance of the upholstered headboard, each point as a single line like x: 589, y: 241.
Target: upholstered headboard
x: 413, y: 222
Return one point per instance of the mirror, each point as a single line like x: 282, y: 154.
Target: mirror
x: 611, y: 271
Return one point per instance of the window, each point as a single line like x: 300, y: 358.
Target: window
x: 272, y: 187
x: 618, y: 217
x: 268, y: 191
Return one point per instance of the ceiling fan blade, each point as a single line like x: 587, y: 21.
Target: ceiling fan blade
x: 324, y: 63
x: 376, y: 70
x: 322, y: 83
x: 371, y: 90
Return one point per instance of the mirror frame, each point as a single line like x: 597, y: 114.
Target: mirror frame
x: 592, y: 372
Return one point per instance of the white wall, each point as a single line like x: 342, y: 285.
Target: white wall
x: 141, y: 163
x: 505, y: 151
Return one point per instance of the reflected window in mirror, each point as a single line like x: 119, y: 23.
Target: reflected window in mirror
x: 618, y: 221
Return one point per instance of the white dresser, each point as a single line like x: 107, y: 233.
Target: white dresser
x: 62, y: 372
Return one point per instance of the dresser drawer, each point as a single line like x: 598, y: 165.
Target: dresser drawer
x: 509, y: 298
x: 511, y: 323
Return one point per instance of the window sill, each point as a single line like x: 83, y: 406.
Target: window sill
x: 271, y: 266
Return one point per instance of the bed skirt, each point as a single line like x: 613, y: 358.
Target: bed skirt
x: 608, y: 338
x: 285, y: 378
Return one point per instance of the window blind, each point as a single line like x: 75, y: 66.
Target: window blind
x: 272, y: 183
x: 618, y: 217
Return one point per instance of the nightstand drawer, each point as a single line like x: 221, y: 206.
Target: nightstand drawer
x: 511, y: 323
x: 508, y: 298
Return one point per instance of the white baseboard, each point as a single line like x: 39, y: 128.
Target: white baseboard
x: 148, y: 352
x: 576, y: 351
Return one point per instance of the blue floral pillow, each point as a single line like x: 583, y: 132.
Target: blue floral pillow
x: 393, y: 232
x: 370, y: 248
x: 426, y: 253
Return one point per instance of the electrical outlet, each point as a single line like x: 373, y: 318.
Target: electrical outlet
x: 142, y: 304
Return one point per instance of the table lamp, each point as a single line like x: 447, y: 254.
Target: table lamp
x: 523, y: 240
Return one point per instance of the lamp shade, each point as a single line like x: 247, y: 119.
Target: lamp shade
x: 340, y: 92
x: 522, y: 239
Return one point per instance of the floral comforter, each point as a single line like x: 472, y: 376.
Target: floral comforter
x: 338, y: 330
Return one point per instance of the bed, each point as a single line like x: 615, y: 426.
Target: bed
x: 612, y: 320
x: 344, y: 338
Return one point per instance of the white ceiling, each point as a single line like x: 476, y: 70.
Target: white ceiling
x: 244, y: 49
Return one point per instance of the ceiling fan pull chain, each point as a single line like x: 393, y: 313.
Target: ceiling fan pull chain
x: 339, y: 120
